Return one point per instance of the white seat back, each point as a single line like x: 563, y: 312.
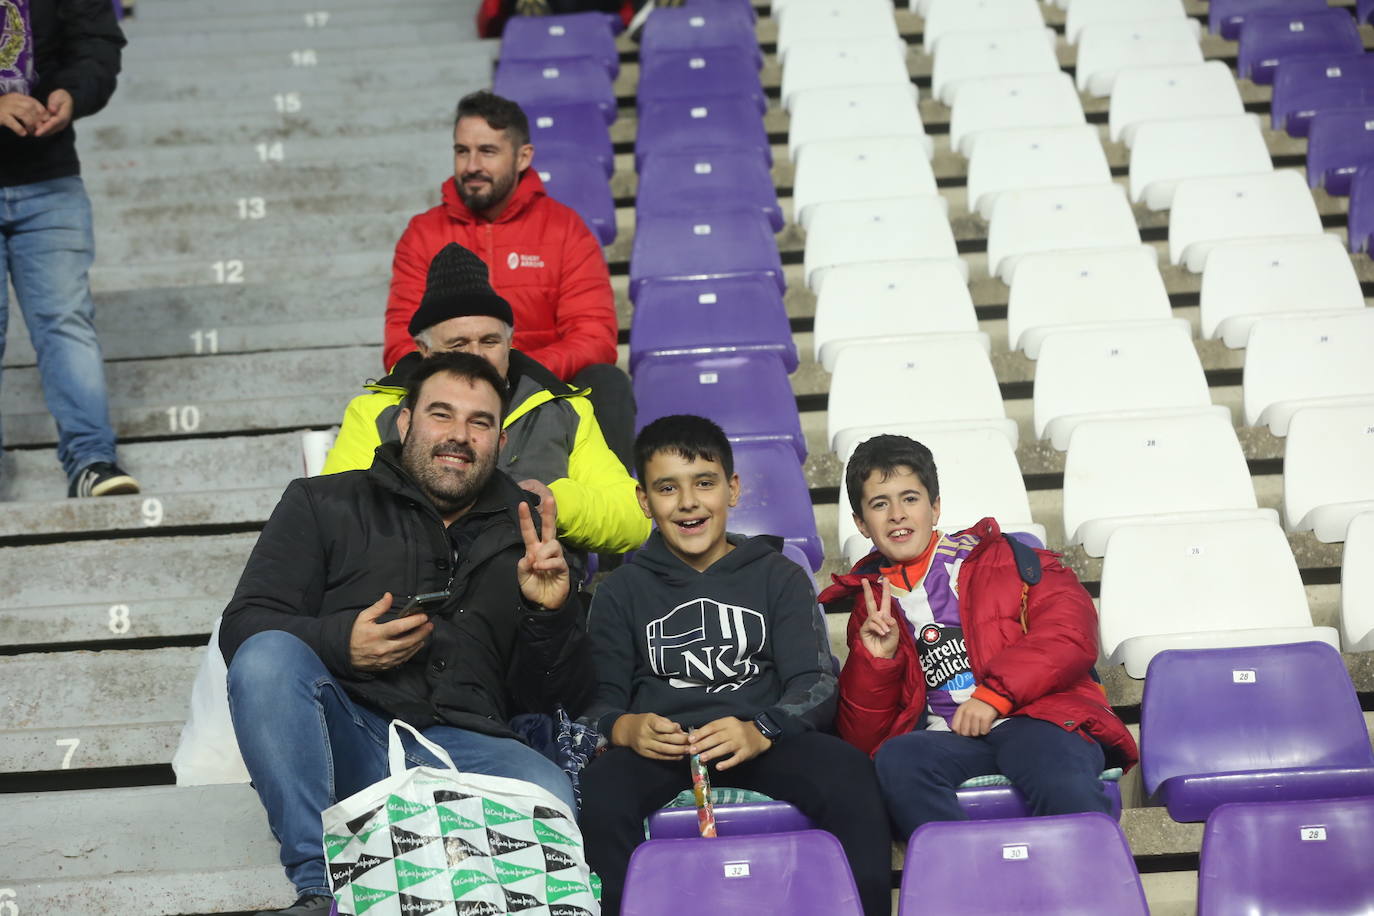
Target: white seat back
x: 834, y: 20
x: 948, y: 17
x: 1207, y: 211
x: 1057, y: 219
x: 1107, y: 48
x: 1167, y: 152
x: 853, y: 113
x: 894, y: 229
x: 855, y: 62
x: 1304, y: 359
x: 1328, y: 468
x: 1160, y: 93
x: 1357, y: 585
x: 1084, y: 13
x: 1024, y: 100
x: 1034, y: 157
x: 968, y: 56
x: 871, y: 169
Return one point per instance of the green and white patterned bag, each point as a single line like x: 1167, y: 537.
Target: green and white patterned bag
x: 430, y: 840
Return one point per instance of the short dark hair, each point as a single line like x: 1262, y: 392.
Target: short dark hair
x: 687, y: 435
x: 885, y: 454
x: 499, y: 113
x: 463, y: 365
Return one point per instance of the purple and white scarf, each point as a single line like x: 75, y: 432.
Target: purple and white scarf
x: 16, y: 48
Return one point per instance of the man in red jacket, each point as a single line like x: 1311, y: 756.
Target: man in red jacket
x: 958, y: 667
x: 542, y: 259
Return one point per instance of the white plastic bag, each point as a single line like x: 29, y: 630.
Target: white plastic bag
x: 208, y: 752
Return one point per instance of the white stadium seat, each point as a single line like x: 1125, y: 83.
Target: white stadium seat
x: 1091, y: 12
x: 946, y: 381
x: 838, y: 170
x: 834, y: 20
x: 1167, y: 152
x: 854, y: 113
x: 891, y: 299
x: 827, y: 64
x: 894, y: 229
x: 1057, y: 219
x: 948, y: 17
x: 1034, y: 157
x: 1107, y: 48
x: 1201, y: 585
x: 1207, y: 211
x: 1328, y: 468
x: 1154, y: 469
x: 1160, y: 93
x: 1357, y: 585
x: 1247, y: 280
x: 1292, y: 362
x: 979, y: 477
x: 998, y: 103
x: 1062, y: 289
x: 968, y: 56
x: 1120, y: 370
x: 781, y: 9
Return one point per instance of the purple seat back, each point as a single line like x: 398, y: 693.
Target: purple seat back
x: 707, y: 180
x: 774, y: 498
x: 1224, y: 17
x: 698, y: 75
x: 748, y: 394
x: 1246, y: 724
x: 334, y: 908
x: 731, y: 820
x: 556, y: 82
x: 711, y: 124
x: 1364, y: 10
x: 1339, y: 142
x: 1266, y: 40
x: 1305, y: 85
x: 1361, y: 219
x: 570, y: 35
x: 580, y: 182
x: 800, y: 874
x: 576, y: 127
x: 988, y: 802
x: 684, y: 28
x: 730, y: 315
x: 722, y: 244
x: 1309, y: 857
x: 1067, y: 864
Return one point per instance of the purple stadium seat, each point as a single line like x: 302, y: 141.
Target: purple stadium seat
x: 580, y: 182
x: 1306, y: 85
x: 723, y: 244
x: 801, y: 874
x: 1068, y: 864
x: 540, y: 38
x: 731, y: 820
x: 1361, y: 219
x: 1268, y: 39
x: 556, y: 82
x: 728, y: 315
x: 1241, y: 725
x: 683, y: 125
x: 697, y: 76
x: 577, y: 127
x: 1339, y: 142
x: 798, y: 556
x: 1309, y: 857
x: 1364, y: 10
x: 774, y: 497
x: 1224, y: 17
x: 989, y: 802
x: 706, y: 181
x: 748, y: 394
x: 670, y: 30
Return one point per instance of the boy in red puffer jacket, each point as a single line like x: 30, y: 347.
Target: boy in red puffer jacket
x: 957, y: 667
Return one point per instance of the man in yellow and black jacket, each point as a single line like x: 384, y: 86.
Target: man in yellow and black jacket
x: 554, y: 446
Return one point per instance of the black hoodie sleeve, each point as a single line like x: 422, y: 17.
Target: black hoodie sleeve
x: 801, y: 652
x: 282, y: 587
x: 612, y: 633
x: 89, y: 54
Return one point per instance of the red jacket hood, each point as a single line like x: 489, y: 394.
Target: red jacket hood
x: 528, y: 189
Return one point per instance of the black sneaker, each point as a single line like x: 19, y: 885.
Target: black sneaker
x: 308, y: 905
x: 102, y: 478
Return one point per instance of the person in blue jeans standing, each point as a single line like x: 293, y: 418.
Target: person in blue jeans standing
x: 58, y: 62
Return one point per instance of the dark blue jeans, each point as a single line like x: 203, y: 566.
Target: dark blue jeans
x: 1057, y: 771
x: 307, y: 745
x: 46, y: 247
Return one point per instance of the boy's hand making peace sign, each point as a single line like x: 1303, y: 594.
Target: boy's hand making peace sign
x: 543, y: 570
x: 879, y: 631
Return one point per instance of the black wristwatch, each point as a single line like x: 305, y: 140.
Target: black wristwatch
x: 767, y: 727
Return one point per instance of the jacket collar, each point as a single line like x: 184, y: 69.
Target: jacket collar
x: 870, y: 567
x: 528, y: 189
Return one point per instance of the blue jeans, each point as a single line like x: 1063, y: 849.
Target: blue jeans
x: 307, y: 745
x: 47, y: 246
x: 1058, y: 771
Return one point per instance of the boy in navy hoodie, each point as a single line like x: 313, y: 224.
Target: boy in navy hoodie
x: 709, y: 643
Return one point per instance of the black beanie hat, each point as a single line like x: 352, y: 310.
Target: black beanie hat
x: 457, y: 286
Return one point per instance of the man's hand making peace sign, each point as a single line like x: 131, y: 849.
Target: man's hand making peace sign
x: 542, y: 571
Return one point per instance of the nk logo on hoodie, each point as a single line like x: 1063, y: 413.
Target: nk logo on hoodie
x: 704, y: 643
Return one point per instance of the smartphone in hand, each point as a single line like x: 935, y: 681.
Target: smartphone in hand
x: 419, y: 604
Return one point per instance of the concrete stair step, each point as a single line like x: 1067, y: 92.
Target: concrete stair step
x: 380, y: 38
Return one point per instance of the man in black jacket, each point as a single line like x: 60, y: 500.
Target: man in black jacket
x: 58, y: 62
x: 315, y: 676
